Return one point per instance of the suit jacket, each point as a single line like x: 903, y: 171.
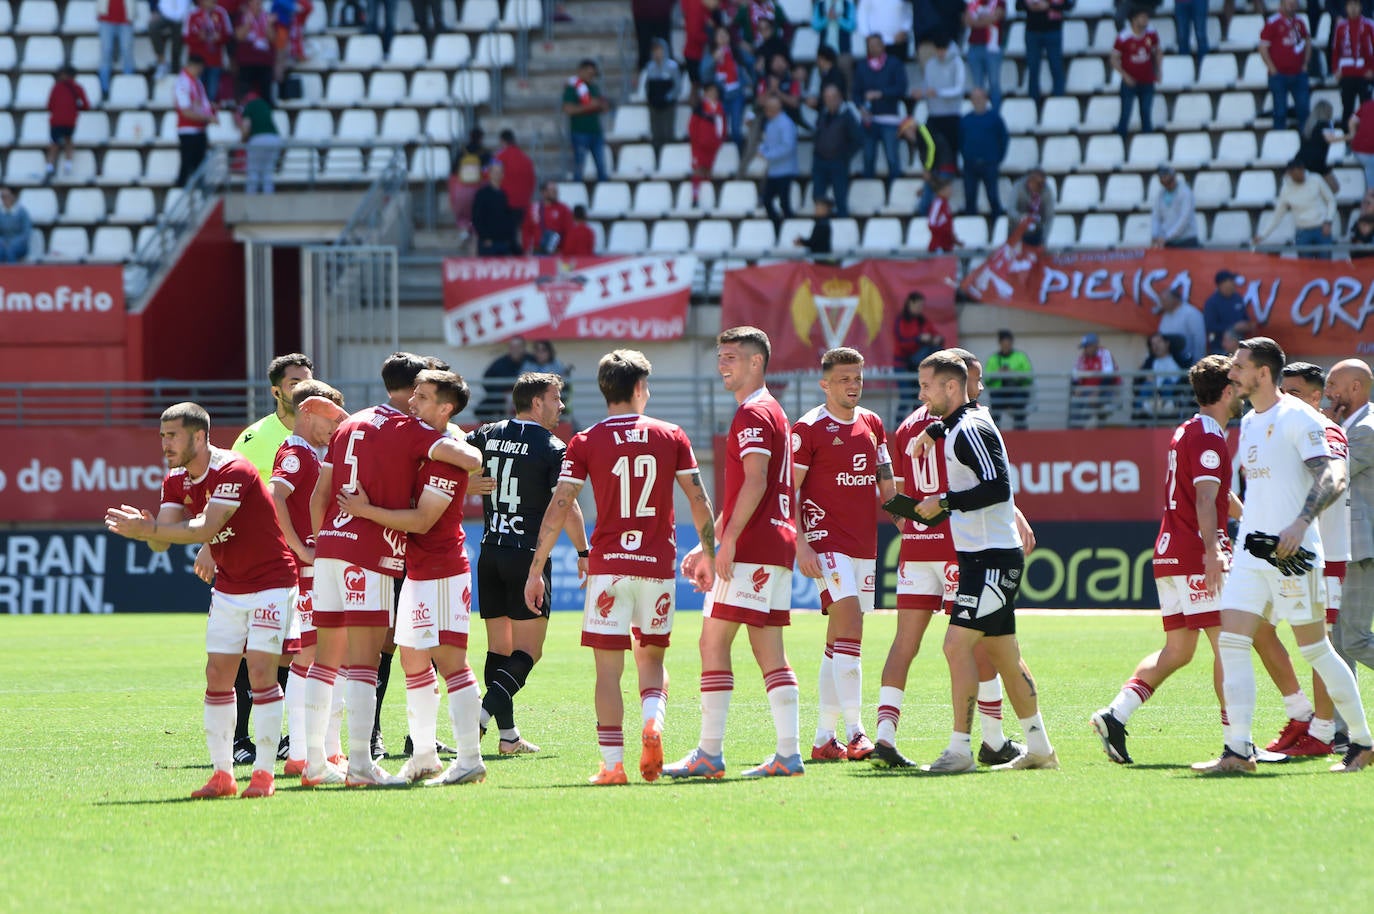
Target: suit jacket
x: 1359, y: 428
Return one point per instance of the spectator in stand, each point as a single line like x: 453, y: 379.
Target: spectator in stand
x: 1045, y: 39
x: 838, y: 135
x: 824, y: 73
x: 1033, y: 200
x: 1159, y: 391
x: 253, y: 51
x: 1137, y: 56
x: 373, y: 22
x: 653, y: 24
x: 498, y: 381
x: 879, y: 88
x: 1352, y: 58
x: 890, y: 20
x: 769, y: 42
x: 1361, y: 134
x: 914, y: 336
x: 706, y: 133
x: 941, y: 219
x: 264, y: 144
x: 584, y: 104
x: 1172, y: 220
x: 779, y: 150
x: 194, y: 115
x: 1184, y: 326
x: 1313, y: 207
x: 296, y: 53
x: 1362, y: 237
x: 933, y: 154
x: 819, y: 241
x: 464, y: 181
x: 206, y: 33
x: 1284, y: 46
x: 166, y: 21
x: 114, y: 25
x: 834, y: 22
x: 544, y: 357
x: 697, y: 30
x: 429, y: 18
x: 751, y: 14
x: 984, y: 19
x: 942, y: 86
x: 1092, y: 388
x: 547, y: 223
x: 15, y: 227
x: 983, y: 144
x: 493, y: 219
x: 66, y: 101
x: 660, y: 81
x: 519, y: 171
x: 1190, y: 17
x: 1224, y: 311
x: 778, y: 83
x: 1318, y: 134
x: 1366, y: 207
x: 721, y: 68
x: 1009, y: 378
x: 581, y: 240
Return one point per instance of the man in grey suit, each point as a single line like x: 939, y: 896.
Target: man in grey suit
x: 1347, y: 387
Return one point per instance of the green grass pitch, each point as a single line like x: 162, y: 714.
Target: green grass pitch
x: 102, y: 742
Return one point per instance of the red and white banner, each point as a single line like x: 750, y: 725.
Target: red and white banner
x: 70, y: 304
x: 488, y: 299
x: 807, y: 308
x: 1314, y: 307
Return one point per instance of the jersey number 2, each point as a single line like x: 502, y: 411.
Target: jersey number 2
x: 645, y: 468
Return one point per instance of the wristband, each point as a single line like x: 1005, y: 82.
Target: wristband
x: 944, y: 502
x: 584, y: 553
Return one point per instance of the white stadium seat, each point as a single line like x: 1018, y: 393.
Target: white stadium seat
x: 630, y: 122
x: 1234, y: 110
x: 407, y: 52
x: 451, y: 50
x: 1136, y: 232
x: 44, y: 53
x: 1102, y: 114
x: 738, y: 198
x: 79, y: 18
x: 494, y: 51
x: 634, y: 161
x: 344, y: 89
x: 670, y: 235
x: 1191, y: 150
x: 868, y: 196
x: 161, y: 166
x: 37, y: 17
x: 1078, y: 194
x: 1178, y: 73
x: 444, y: 125
x: 972, y: 231
x: 1255, y: 188
x: 313, y: 126
x: 135, y: 128
x: 1217, y: 71
x: 472, y: 87
x: 31, y: 92
x: 385, y: 90
x: 1061, y: 154
x: 120, y: 167
x: 92, y: 129
x: 68, y: 243
x: 706, y: 200
x: 522, y: 15
x: 1059, y: 115
x: 1211, y: 189
x: 1231, y: 228
x: 357, y: 126
x: 756, y: 235
x: 627, y: 237
x: 427, y: 88
x: 33, y: 129
x: 479, y: 15
x: 1086, y: 76
x: 573, y: 193
x: 134, y: 206
x: 1278, y: 148
x: 1099, y: 230
x: 1235, y: 149
x: 84, y: 206
x: 674, y: 161
x: 400, y: 125
x: 127, y: 90
x: 41, y: 203
x: 363, y: 52
x: 112, y: 243
x: 1192, y: 111
x: 918, y: 234
x: 882, y: 235
x: 713, y: 236
x: 1148, y: 151
x: 1123, y: 193
x: 610, y: 200
x: 652, y: 200
x: 1244, y: 33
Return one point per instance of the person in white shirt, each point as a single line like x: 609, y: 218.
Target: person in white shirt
x: 1172, y: 223
x: 890, y: 19
x: 1313, y: 207
x: 1180, y: 319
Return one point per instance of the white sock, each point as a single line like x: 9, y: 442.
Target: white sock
x: 485, y: 718
x: 319, y: 696
x: 783, y: 697
x: 1132, y: 695
x: 716, y: 688
x: 849, y: 685
x: 829, y: 717
x: 1037, y: 740
x: 1324, y: 730
x: 221, y: 716
x: 509, y: 734
x: 1238, y: 685
x: 889, y: 713
x: 464, y: 711
x: 362, y: 710
x: 653, y: 706
x: 422, y: 711
x: 295, y: 710
x: 1341, y: 686
x: 990, y: 712
x: 960, y: 743
x: 611, y: 741
x: 333, y: 745
x: 1297, y: 705
x: 268, y: 705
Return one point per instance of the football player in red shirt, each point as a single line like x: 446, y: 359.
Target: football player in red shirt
x: 626, y: 457
x: 1191, y: 552
x: 839, y: 462
x: 216, y: 496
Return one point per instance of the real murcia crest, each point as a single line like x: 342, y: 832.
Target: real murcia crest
x: 834, y: 307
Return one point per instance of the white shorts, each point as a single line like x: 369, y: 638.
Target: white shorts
x: 1185, y: 603
x: 843, y: 577
x: 435, y: 612
x: 248, y: 621
x: 1276, y: 597
x: 350, y: 595
x: 926, y: 585
x: 620, y: 606
x: 757, y: 595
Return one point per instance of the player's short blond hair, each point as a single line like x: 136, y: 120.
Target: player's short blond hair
x: 947, y: 363
x: 314, y: 388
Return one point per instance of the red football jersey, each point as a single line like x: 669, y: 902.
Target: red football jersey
x: 760, y: 427
x: 921, y: 477
x: 841, y: 461
x: 297, y: 466
x: 1138, y: 54
x: 379, y: 449
x: 250, y: 553
x: 438, y: 552
x: 1197, y: 452
x: 1286, y: 40
x: 622, y: 457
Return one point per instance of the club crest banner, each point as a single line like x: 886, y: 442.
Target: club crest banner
x: 807, y: 308
x: 489, y: 299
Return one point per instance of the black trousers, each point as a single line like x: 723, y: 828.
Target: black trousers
x: 193, y: 147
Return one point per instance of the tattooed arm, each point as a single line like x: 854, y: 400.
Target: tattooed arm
x: 555, y: 519
x: 703, y: 520
x: 1328, y: 484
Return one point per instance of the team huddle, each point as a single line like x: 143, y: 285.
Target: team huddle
x: 305, y: 565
